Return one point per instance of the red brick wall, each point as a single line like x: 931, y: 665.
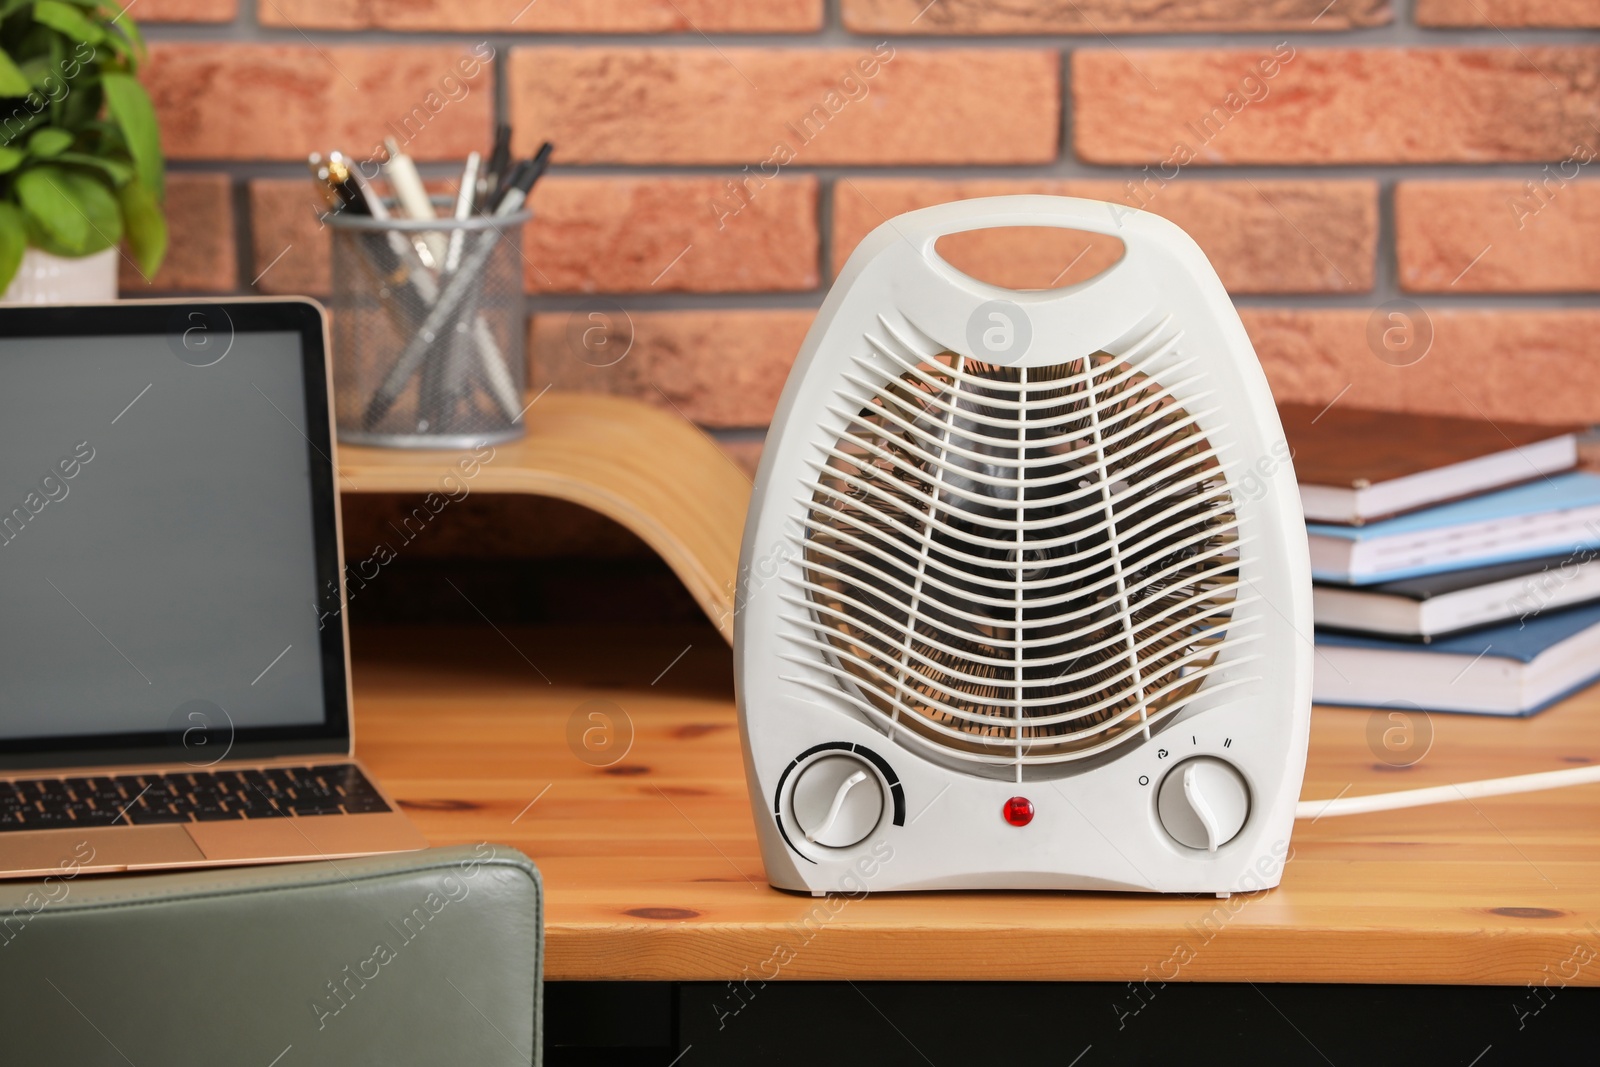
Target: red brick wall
x: 1330, y: 158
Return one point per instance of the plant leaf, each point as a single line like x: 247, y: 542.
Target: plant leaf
x: 13, y: 242
x: 12, y: 81
x: 53, y: 211
x: 40, y: 44
x: 123, y: 34
x: 99, y: 204
x: 68, y: 20
x: 70, y: 213
x: 146, y: 226
x: 12, y: 128
x: 82, y: 104
x: 130, y: 30
x: 131, y: 107
x: 121, y: 50
x: 119, y: 171
x: 10, y: 158
x: 49, y: 142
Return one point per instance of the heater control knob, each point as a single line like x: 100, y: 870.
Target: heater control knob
x: 1203, y: 802
x: 837, y: 801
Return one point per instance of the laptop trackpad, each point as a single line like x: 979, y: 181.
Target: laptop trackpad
x: 236, y: 840
x: 108, y: 848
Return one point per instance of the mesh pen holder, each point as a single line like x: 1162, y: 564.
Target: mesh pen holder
x: 429, y: 330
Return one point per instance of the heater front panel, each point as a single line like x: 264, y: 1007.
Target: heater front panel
x: 1053, y: 609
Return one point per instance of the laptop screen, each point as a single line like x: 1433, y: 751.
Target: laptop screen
x: 166, y: 523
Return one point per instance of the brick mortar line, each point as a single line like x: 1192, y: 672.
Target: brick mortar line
x: 826, y: 195
x: 1392, y: 36
x: 1437, y: 301
x: 1063, y: 169
x: 243, y: 238
x: 811, y: 299
x: 832, y: 17
x: 1066, y: 153
x: 1386, y: 267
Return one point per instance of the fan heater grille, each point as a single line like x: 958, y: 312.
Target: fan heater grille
x: 1018, y: 566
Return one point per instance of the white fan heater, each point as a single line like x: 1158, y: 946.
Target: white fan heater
x: 1024, y: 599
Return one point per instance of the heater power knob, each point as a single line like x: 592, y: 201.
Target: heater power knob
x: 1203, y: 802
x: 837, y: 801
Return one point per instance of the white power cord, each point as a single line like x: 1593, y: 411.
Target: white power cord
x: 1440, y: 794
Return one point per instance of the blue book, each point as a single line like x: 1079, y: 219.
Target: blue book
x: 1515, y: 669
x: 1540, y: 518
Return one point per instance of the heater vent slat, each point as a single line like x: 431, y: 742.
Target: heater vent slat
x: 1019, y: 566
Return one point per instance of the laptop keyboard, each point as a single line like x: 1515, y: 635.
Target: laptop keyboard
x: 193, y: 796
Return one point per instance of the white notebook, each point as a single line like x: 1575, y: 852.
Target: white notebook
x: 1539, y: 518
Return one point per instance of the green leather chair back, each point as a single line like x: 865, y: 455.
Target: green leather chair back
x: 432, y: 957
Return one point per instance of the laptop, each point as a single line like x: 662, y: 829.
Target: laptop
x: 174, y: 655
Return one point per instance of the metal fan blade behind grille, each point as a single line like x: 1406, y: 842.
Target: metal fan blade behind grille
x: 1021, y: 565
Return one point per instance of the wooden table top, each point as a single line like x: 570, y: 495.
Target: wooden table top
x: 652, y: 872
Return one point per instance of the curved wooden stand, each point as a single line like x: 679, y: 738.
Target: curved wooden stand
x: 648, y: 470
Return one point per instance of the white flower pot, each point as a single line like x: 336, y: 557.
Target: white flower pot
x: 44, y: 278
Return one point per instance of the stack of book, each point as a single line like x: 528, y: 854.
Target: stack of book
x: 1456, y: 562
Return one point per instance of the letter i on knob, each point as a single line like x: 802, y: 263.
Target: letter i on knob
x: 1203, y: 803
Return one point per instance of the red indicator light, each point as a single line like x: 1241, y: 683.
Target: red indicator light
x: 1019, y: 811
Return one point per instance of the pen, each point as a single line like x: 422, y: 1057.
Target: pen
x: 324, y: 182
x: 524, y: 175
x: 454, y: 378
x: 413, y: 198
x: 375, y: 205
x: 494, y: 171
x: 464, y: 198
x: 456, y: 290
x: 401, y: 267
x: 539, y: 164
x: 406, y: 251
x: 495, y: 371
x: 342, y: 181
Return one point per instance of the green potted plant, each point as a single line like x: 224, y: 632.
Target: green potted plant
x: 80, y: 155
